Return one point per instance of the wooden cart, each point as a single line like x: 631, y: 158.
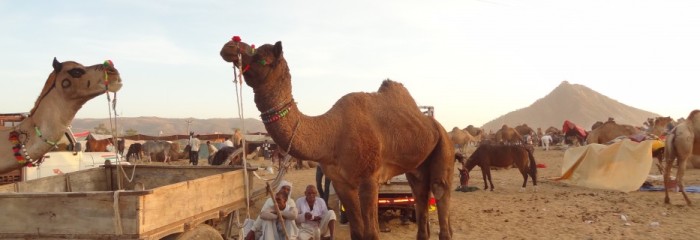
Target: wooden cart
x: 161, y: 202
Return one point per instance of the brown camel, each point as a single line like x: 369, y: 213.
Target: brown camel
x: 596, y: 125
x: 477, y: 134
x: 461, y: 138
x: 68, y: 87
x: 681, y: 143
x: 508, y: 135
x: 609, y: 131
x: 360, y: 142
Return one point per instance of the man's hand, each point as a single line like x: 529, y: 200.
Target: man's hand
x: 308, y: 216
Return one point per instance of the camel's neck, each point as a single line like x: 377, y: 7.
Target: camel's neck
x: 51, y: 119
x: 310, y: 137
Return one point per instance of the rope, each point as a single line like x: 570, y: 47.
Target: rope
x: 238, y: 79
x: 118, y: 229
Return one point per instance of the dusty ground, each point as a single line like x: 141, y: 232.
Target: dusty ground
x: 556, y: 211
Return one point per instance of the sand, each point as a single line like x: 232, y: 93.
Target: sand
x: 556, y: 211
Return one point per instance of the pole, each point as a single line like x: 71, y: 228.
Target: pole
x: 277, y: 207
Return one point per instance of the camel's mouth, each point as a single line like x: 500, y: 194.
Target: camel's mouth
x: 231, y: 51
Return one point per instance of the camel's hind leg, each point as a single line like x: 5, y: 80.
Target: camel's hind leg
x: 421, y: 193
x: 348, y: 196
x: 679, y: 146
x: 441, y: 169
x: 679, y: 178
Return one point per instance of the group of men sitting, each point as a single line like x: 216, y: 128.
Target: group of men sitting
x: 307, y: 218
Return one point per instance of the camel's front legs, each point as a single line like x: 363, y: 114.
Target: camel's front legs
x: 369, y: 192
x: 421, y: 194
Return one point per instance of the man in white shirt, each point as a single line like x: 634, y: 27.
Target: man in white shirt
x: 314, y: 218
x: 194, y: 149
x: 546, y: 140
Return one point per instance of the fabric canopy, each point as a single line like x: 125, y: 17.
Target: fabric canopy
x: 622, y: 166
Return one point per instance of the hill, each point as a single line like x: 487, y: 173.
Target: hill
x: 573, y: 102
x: 170, y: 126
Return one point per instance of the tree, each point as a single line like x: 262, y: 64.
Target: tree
x: 131, y: 132
x: 102, y: 129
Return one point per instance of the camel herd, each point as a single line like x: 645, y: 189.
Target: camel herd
x: 681, y: 140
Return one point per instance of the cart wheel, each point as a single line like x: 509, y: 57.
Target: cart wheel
x: 202, y: 231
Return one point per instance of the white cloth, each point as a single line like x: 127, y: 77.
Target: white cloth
x: 194, y: 144
x: 228, y: 143
x: 313, y: 229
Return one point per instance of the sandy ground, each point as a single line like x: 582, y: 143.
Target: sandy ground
x: 556, y: 211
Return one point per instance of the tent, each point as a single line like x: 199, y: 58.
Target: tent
x: 621, y: 166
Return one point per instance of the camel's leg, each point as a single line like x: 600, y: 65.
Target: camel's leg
x: 369, y: 190
x: 679, y: 178
x: 441, y: 170
x: 420, y: 187
x: 348, y: 196
x: 667, y: 177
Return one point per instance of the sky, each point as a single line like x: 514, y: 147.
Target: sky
x: 473, y: 60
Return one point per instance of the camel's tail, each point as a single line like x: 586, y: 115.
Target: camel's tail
x: 670, y: 148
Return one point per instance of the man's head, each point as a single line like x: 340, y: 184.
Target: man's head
x: 311, y: 193
x: 285, y: 186
x: 281, y: 199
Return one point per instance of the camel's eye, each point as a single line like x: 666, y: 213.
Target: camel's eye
x: 76, y: 72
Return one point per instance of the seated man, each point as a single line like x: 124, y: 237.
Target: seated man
x: 314, y: 218
x: 266, y: 227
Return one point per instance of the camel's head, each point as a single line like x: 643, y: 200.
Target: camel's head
x: 74, y: 80
x: 256, y: 63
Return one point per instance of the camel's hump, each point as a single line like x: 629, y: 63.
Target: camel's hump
x: 392, y: 86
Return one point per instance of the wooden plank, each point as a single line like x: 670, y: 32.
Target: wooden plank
x: 66, y: 213
x: 182, y: 202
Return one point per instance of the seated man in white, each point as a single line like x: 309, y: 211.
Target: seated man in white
x: 314, y: 219
x: 266, y: 227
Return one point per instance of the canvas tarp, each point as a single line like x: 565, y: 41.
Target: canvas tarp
x: 622, y: 166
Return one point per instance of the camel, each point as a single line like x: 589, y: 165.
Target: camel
x: 508, y: 135
x: 460, y: 138
x: 596, y: 125
x: 681, y: 144
x: 661, y: 125
x: 609, y: 131
x: 524, y: 130
x: 477, y: 134
x: 67, y: 88
x: 359, y: 143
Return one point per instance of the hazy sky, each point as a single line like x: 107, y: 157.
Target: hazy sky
x: 473, y: 60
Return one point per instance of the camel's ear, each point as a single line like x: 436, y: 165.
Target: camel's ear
x: 57, y: 65
x: 278, y: 49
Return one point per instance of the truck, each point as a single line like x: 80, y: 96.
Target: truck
x: 56, y: 162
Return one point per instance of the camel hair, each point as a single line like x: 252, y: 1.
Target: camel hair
x: 682, y: 143
x: 362, y: 141
x: 68, y: 87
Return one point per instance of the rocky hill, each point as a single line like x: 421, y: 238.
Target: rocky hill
x: 170, y: 126
x: 573, y: 102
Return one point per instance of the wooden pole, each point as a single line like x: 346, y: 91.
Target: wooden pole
x: 277, y: 207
